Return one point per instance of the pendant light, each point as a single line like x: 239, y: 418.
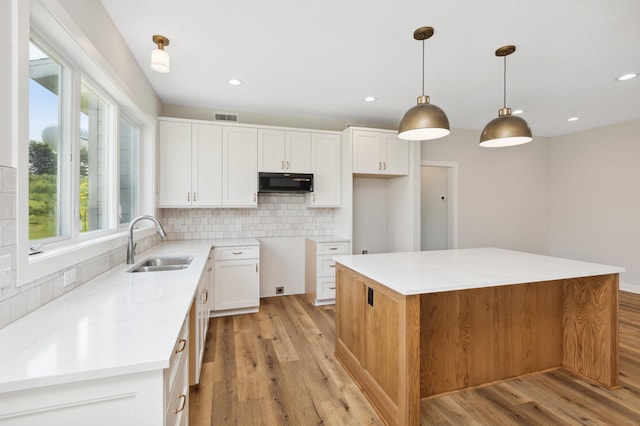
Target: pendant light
x: 507, y: 129
x: 159, y: 58
x: 424, y: 121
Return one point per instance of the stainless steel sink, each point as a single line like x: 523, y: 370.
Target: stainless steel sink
x: 164, y: 263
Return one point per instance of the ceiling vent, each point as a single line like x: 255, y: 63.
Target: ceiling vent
x: 226, y: 116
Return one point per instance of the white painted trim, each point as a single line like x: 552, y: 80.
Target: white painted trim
x: 453, y: 196
x: 631, y: 288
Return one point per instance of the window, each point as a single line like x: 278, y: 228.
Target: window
x: 48, y: 194
x: 94, y: 135
x: 84, y: 181
x: 128, y: 171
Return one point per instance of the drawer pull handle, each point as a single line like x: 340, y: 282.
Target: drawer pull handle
x: 333, y: 248
x: 183, y: 345
x: 209, y: 269
x: 237, y: 252
x: 282, y: 164
x: 332, y: 288
x: 206, y: 296
x: 183, y: 403
x: 332, y: 266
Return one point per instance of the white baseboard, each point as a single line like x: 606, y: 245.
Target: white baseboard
x: 631, y: 288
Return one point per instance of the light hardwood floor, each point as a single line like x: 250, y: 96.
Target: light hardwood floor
x: 277, y: 367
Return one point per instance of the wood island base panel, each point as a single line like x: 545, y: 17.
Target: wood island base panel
x: 401, y: 348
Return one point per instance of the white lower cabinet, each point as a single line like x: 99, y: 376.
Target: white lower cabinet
x: 236, y: 280
x: 150, y: 398
x: 320, y: 268
x: 199, y: 322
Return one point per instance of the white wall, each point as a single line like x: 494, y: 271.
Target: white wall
x: 6, y: 99
x: 370, y: 216
x: 595, y: 197
x: 502, y: 192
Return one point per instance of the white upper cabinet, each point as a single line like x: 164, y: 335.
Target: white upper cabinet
x: 206, y: 150
x: 326, y: 168
x: 240, y: 167
x: 190, y: 165
x: 281, y: 151
x: 379, y: 153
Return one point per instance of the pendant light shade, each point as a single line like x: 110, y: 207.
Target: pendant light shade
x: 507, y: 129
x: 424, y: 121
x: 160, y: 61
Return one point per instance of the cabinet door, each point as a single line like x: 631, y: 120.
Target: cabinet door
x: 366, y: 152
x: 326, y: 168
x: 237, y: 284
x: 271, y: 151
x: 395, y: 159
x: 175, y: 164
x: 207, y: 165
x: 298, y: 152
x: 239, y: 167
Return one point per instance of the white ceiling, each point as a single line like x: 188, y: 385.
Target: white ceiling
x: 321, y: 58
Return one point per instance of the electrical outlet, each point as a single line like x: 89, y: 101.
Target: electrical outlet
x: 279, y: 290
x: 177, y: 223
x: 69, y: 277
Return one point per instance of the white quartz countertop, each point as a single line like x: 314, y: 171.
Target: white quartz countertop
x: 446, y: 270
x: 117, y: 323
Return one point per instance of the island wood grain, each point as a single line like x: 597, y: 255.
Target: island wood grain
x: 555, y: 397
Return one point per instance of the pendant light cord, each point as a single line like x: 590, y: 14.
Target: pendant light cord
x: 504, y: 83
x: 423, y: 67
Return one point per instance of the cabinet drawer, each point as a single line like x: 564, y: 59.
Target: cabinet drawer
x: 333, y: 248
x: 326, y: 266
x: 178, y: 355
x: 239, y: 252
x: 326, y: 288
x: 177, y: 404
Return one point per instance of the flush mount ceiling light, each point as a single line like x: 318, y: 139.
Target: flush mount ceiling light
x: 159, y: 58
x: 506, y: 130
x: 424, y: 121
x: 570, y: 119
x: 369, y: 99
x: 626, y: 77
x: 235, y: 82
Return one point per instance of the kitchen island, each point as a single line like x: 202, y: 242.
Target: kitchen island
x: 414, y: 325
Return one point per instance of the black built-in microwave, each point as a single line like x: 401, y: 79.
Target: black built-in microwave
x: 297, y: 183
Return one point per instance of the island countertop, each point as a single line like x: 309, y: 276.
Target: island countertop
x: 446, y: 270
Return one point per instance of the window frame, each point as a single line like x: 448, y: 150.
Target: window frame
x: 80, y: 60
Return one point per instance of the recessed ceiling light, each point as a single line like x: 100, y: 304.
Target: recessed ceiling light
x: 235, y: 82
x: 369, y: 99
x: 517, y: 111
x: 573, y: 118
x: 627, y: 76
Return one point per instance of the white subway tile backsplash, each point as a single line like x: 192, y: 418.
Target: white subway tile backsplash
x: 276, y: 216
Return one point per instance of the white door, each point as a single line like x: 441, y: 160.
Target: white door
x: 175, y: 164
x: 326, y: 170
x: 366, y: 152
x: 271, y: 151
x: 207, y: 165
x: 298, y: 150
x: 395, y: 160
x: 237, y: 284
x: 434, y: 207
x: 239, y: 167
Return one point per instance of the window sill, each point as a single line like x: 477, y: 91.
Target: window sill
x: 63, y: 257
